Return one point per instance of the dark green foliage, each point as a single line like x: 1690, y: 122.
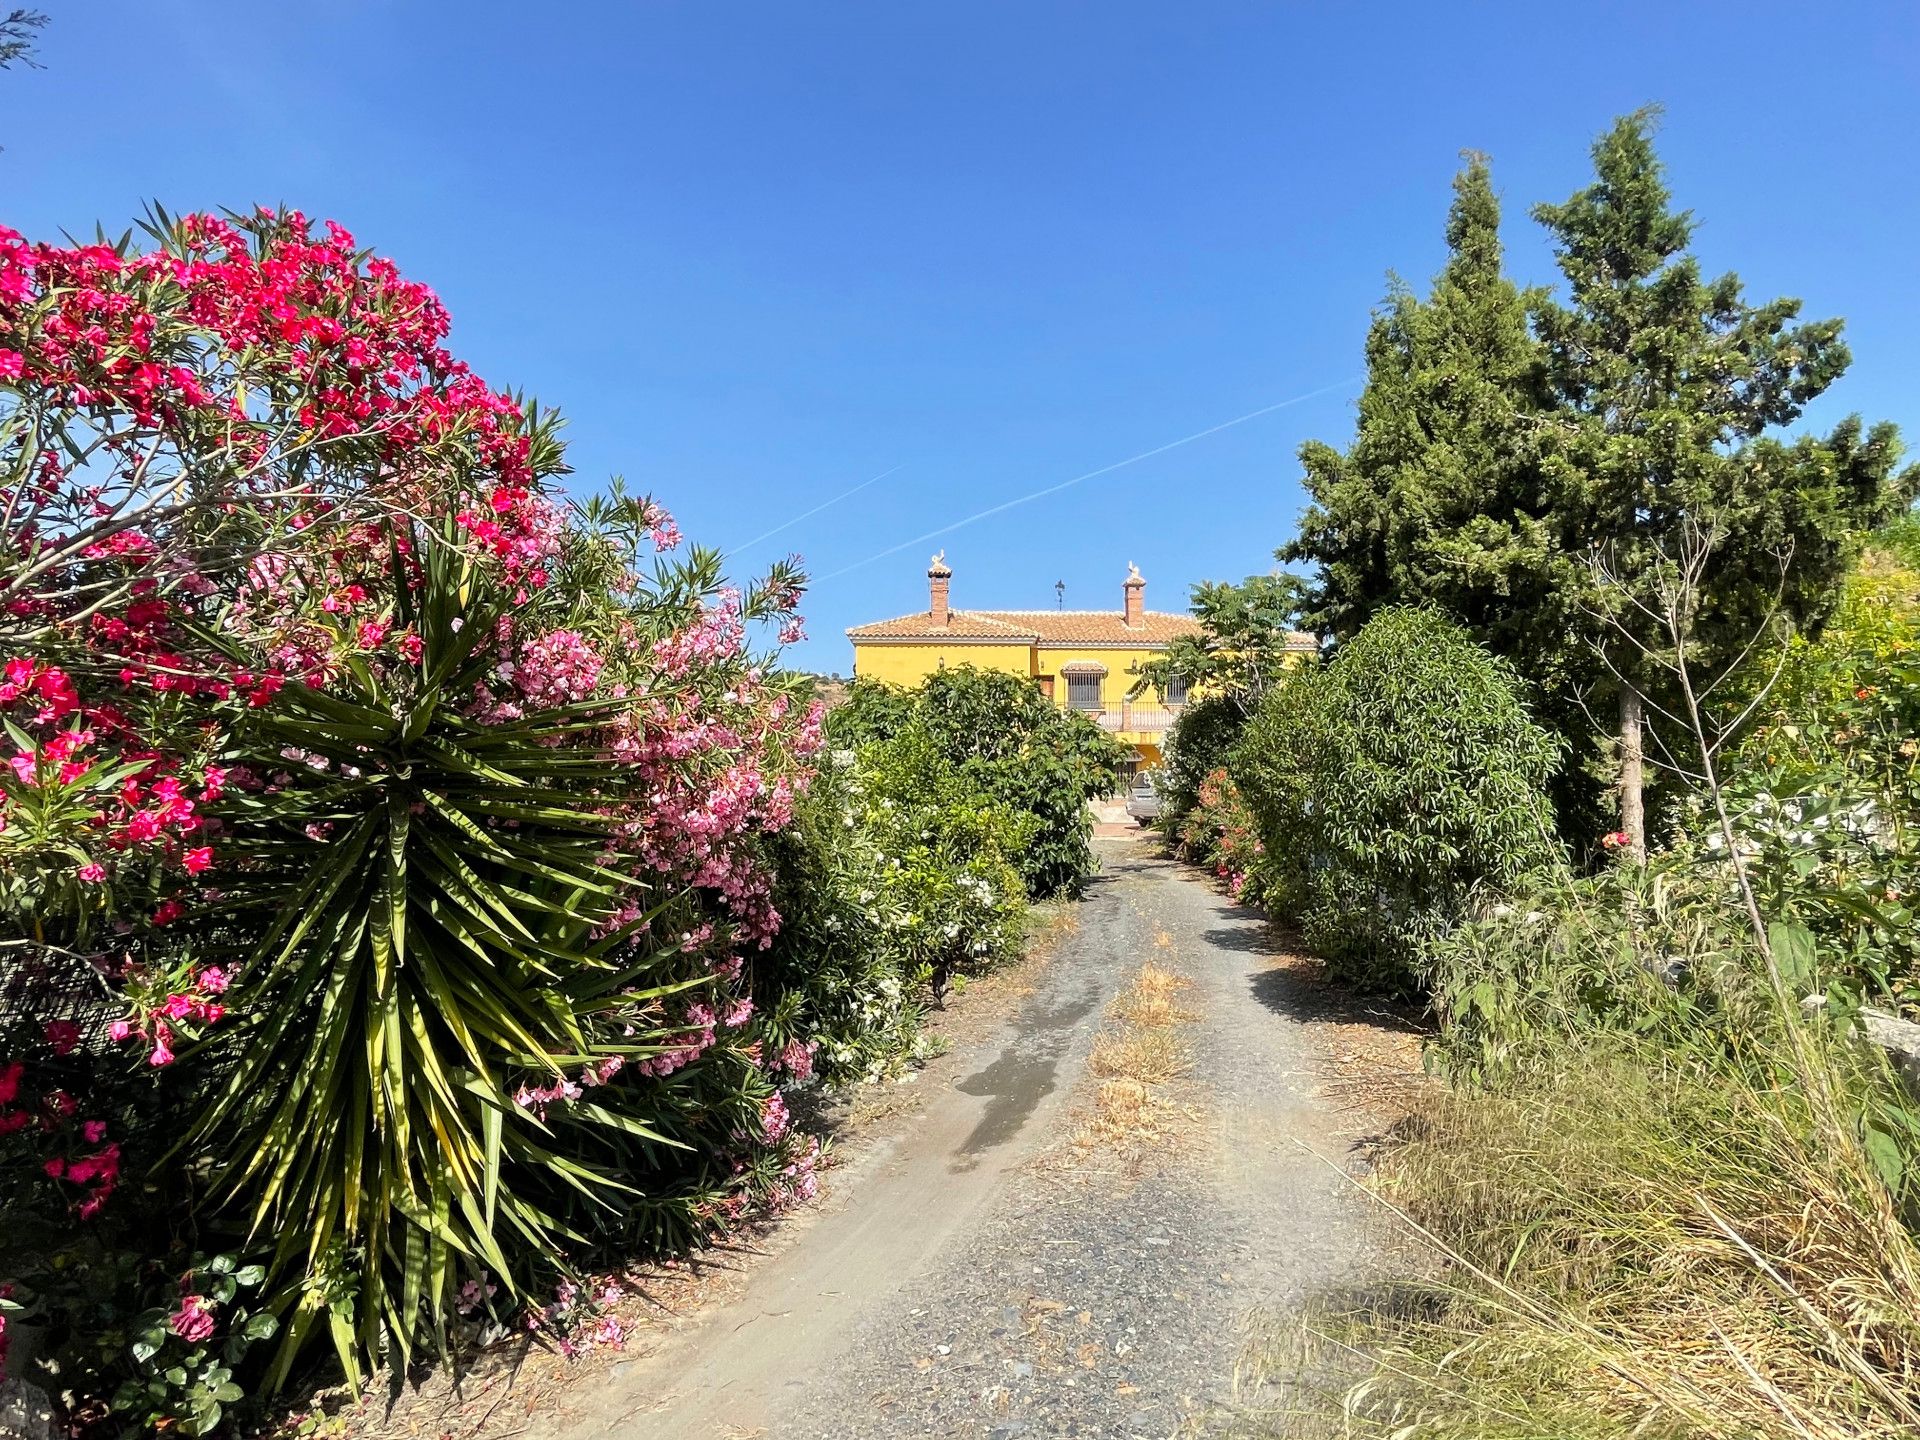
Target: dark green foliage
x: 1013, y: 744
x: 1665, y: 383
x: 1390, y: 787
x: 429, y: 927
x: 873, y: 710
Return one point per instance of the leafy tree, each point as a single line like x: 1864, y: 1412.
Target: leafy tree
x: 1666, y: 384
x: 1245, y: 642
x: 1391, y: 785
x: 1542, y: 483
x: 873, y: 710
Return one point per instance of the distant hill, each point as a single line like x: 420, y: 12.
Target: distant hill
x: 830, y: 688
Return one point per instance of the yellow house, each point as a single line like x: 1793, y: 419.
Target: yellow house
x: 1085, y: 660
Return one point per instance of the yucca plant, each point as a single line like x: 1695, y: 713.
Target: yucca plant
x: 431, y: 924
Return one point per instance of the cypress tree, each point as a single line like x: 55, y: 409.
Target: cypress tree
x: 1439, y: 499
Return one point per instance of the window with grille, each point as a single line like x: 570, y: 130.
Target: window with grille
x: 1176, y: 690
x: 1083, y: 692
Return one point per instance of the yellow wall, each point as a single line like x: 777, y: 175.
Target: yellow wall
x: 1114, y: 685
x: 910, y: 664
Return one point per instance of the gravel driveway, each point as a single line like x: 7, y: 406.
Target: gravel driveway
x: 966, y: 1276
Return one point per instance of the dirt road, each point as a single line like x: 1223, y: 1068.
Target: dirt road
x: 970, y: 1273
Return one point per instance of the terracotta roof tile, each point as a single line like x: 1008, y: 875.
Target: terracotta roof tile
x: 1049, y: 627
x: 961, y: 624
x: 1098, y: 627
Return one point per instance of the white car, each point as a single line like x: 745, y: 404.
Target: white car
x: 1143, y: 799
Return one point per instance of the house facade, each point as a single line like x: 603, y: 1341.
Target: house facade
x: 1085, y: 660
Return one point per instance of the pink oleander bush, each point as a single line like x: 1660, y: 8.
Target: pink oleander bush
x: 383, y: 840
x: 1219, y: 832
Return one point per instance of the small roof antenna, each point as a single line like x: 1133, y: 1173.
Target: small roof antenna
x: 1059, y: 594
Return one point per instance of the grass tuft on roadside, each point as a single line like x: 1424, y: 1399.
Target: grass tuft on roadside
x: 1633, y: 1241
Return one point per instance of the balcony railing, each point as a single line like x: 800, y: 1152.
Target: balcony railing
x: 1130, y: 719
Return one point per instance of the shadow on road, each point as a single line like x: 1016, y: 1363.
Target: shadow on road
x: 1292, y: 983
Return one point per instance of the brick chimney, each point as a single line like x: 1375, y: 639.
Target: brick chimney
x: 938, y: 577
x: 1136, y: 591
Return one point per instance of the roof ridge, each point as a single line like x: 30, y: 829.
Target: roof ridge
x: 1166, y: 614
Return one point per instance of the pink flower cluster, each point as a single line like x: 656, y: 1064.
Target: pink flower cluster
x: 796, y: 1059
x: 518, y: 526
x: 269, y: 360
x: 798, y: 1181
x: 538, y: 1097
x: 711, y: 791
x: 87, y: 1160
x: 555, y: 668
x: 578, y: 1323
x: 687, y: 1046
x: 661, y: 529
x: 774, y: 1119
x: 158, y: 337
x: 155, y: 1022
x: 719, y: 634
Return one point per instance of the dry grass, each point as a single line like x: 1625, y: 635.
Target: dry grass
x: 1152, y: 1001
x: 1136, y: 1059
x: 1150, y: 1058
x: 1638, y: 1244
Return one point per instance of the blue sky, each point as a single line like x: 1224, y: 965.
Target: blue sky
x: 760, y: 253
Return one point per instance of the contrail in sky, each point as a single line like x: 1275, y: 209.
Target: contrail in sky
x: 1103, y: 470
x: 844, y: 495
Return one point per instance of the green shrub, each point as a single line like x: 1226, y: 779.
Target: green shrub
x: 952, y: 850
x: 1391, y: 786
x: 838, y: 973
x: 896, y: 875
x: 1202, y: 737
x: 1633, y: 950
x: 1014, y: 745
x: 1826, y: 789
